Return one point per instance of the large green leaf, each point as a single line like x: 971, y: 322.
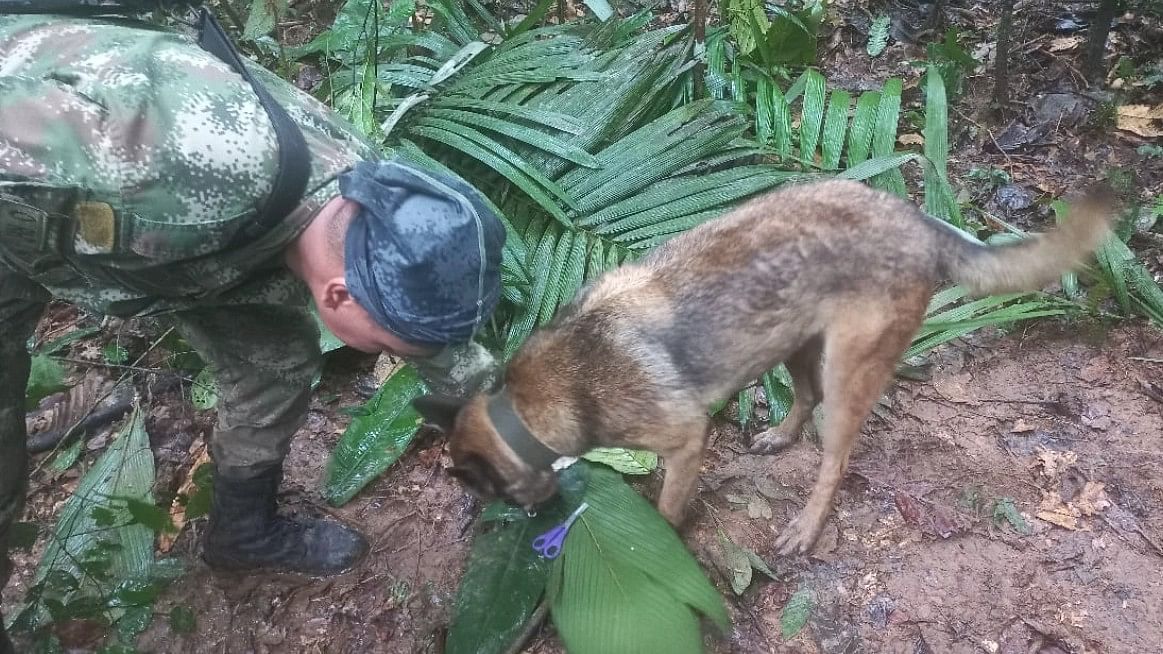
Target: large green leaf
x: 502, y: 583
x: 626, y: 581
x: 95, y: 532
x: 376, y: 438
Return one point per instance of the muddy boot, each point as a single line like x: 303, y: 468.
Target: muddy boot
x: 246, y: 533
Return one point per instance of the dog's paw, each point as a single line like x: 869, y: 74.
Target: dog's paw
x: 772, y: 441
x: 799, y: 537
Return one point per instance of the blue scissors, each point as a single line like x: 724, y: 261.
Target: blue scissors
x: 548, y: 545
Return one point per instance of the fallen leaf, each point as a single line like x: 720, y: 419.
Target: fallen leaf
x: 757, y: 507
x: 911, y: 139
x: 1065, y: 43
x: 178, y: 511
x: 1141, y: 119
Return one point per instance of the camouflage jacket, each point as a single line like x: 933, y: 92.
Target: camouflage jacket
x: 140, y: 155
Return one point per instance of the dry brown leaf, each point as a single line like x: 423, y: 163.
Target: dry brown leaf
x: 177, y: 511
x: 1141, y: 119
x: 1063, y: 520
x: 1092, y: 499
x: 1054, y: 462
x: 1065, y: 43
x: 911, y: 139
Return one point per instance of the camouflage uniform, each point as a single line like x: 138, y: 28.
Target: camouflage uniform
x: 129, y: 159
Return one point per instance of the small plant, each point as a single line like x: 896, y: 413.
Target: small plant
x: 878, y: 35
x: 952, y: 61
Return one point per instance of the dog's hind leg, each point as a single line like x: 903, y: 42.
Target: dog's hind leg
x: 682, y: 471
x: 863, y: 345
x: 804, y: 368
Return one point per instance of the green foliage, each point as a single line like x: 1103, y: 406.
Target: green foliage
x: 503, y: 581
x: 45, y: 377
x: 786, y: 37
x: 114, y: 353
x: 878, y: 35
x: 376, y: 437
x: 204, y: 390
x: 952, y: 61
x: 1004, y: 511
x: 627, y: 462
x: 741, y: 563
x: 624, y: 581
x: 262, y: 17
x: 795, y: 613
x: 99, y: 562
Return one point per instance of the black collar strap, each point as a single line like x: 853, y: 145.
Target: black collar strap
x: 516, y: 435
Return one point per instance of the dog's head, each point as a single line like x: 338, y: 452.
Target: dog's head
x: 481, y: 458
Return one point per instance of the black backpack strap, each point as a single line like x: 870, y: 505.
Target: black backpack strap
x: 294, y: 161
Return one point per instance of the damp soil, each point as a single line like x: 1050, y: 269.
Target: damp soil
x: 1007, y: 500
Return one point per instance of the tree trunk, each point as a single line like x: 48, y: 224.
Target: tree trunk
x: 1093, y: 68
x: 699, y: 25
x: 1001, y: 67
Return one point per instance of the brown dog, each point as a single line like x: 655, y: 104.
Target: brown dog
x: 831, y: 271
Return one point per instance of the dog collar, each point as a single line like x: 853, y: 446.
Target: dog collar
x: 516, y: 435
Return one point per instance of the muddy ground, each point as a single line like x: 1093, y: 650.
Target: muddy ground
x: 1058, y: 419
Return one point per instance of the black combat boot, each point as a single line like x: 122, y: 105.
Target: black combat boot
x: 246, y: 532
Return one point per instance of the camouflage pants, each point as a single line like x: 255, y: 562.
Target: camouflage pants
x: 264, y: 358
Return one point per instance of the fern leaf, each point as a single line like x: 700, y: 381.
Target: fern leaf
x: 878, y: 35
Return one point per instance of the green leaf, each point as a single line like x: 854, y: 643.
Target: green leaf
x: 150, y: 515
x: 863, y: 125
x: 778, y: 389
x: 45, y: 377
x: 629, y: 462
x: 135, y: 621
x: 627, y: 582
x: 1004, y: 509
x: 262, y: 17
x: 204, y: 390
x: 835, y: 127
x: 795, y: 613
x: 504, y: 579
x: 328, y: 342
x: 878, y: 35
x: 737, y: 564
x: 373, y: 441
x: 745, y: 402
x: 198, y: 504
x: 601, y: 9
x: 57, y: 344
x: 812, y: 115
x: 182, y: 619
x: 114, y: 353
x: 67, y: 457
x: 125, y: 470
x: 939, y: 198
x: 884, y: 136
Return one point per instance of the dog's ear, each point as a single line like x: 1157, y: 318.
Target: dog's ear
x: 438, y: 410
x: 476, y: 475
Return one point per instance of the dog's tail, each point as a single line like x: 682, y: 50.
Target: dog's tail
x: 1033, y: 262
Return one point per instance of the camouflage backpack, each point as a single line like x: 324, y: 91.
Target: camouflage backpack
x: 294, y: 159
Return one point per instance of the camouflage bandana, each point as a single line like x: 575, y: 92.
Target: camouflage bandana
x: 423, y: 256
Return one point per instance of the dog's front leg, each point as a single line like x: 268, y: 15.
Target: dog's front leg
x: 682, y: 473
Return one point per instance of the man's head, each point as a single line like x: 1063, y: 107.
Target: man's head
x: 405, y: 260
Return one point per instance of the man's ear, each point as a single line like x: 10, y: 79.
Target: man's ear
x: 438, y: 410
x: 334, y: 293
